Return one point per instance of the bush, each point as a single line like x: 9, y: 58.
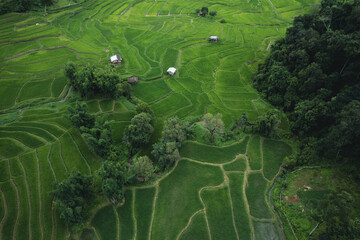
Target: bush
x: 143, y: 168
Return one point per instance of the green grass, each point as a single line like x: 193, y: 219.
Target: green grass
x: 57, y: 161
x: 197, y: 229
x: 71, y: 155
x: 255, y: 158
x: 125, y: 217
x: 143, y: 211
x: 10, y: 148
x: 5, y: 174
x: 105, y: 222
x: 106, y: 105
x: 88, y: 234
x: 218, y: 211
x: 34, y: 131
x: 11, y: 199
x: 15, y: 167
x: 274, y: 153
x: 255, y: 192
x: 47, y: 179
x: 92, y: 160
x: 212, y: 154
x: 238, y: 165
x: 178, y: 197
x: 265, y: 230
x: 24, y: 203
x: 28, y: 140
x: 29, y: 161
x: 151, y: 91
x: 242, y: 221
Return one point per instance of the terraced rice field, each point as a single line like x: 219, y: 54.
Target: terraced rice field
x: 197, y: 199
x: 38, y: 145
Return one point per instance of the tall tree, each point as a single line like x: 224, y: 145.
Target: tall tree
x: 214, y: 125
x: 139, y: 131
x: 166, y: 153
x: 174, y: 131
x: 114, y: 175
x: 143, y: 168
x: 80, y: 117
x: 72, y: 197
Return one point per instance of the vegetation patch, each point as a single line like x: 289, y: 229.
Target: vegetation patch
x: 274, y: 153
x: 255, y: 193
x: 219, y: 213
x: 213, y: 154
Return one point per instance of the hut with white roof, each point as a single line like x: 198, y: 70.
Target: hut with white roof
x: 171, y: 71
x: 115, y: 59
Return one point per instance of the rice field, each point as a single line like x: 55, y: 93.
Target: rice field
x: 197, y: 199
x: 38, y: 146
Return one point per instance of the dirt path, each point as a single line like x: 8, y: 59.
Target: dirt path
x: 189, y: 223
x: 29, y: 198
x: 133, y: 213
x: 117, y: 223
x: 6, y: 213
x: 40, y: 198
x: 153, y: 209
x: 17, y: 204
x: 245, y: 183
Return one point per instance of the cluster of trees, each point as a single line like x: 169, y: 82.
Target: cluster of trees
x: 91, y: 81
x: 22, y: 5
x: 266, y: 125
x: 96, y: 131
x: 166, y: 151
x: 74, y: 193
x: 214, y: 125
x: 73, y: 197
x: 204, y: 11
x: 313, y: 74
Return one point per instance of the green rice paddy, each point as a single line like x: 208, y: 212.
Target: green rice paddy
x: 38, y: 145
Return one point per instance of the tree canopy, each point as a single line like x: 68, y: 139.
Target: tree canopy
x: 313, y: 75
x: 72, y: 197
x: 90, y: 81
x: 114, y: 175
x: 139, y: 131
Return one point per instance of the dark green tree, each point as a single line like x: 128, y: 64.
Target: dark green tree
x: 174, y: 131
x: 165, y: 153
x: 80, y: 117
x: 138, y: 133
x: 99, y: 137
x: 72, y: 198
x: 214, y: 125
x: 267, y: 125
x: 212, y: 13
x: 113, y: 176
x: 143, y: 168
x: 204, y: 11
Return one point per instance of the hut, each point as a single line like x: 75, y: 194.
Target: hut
x: 171, y: 71
x: 132, y: 80
x: 115, y: 59
x: 213, y: 38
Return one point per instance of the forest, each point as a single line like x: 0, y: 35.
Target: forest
x: 313, y: 75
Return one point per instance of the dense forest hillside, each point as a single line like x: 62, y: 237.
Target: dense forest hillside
x: 313, y: 74
x: 22, y: 5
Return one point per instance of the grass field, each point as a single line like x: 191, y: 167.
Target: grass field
x: 38, y: 145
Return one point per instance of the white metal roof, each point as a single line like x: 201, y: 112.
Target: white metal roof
x: 171, y: 70
x: 115, y: 58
